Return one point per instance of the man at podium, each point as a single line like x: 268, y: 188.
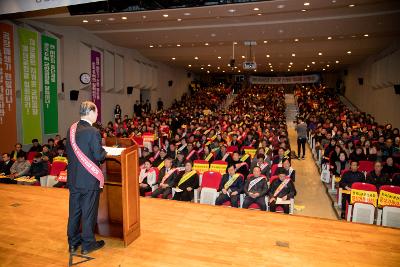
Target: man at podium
x: 85, y: 179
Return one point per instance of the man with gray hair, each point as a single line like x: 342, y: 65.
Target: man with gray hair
x: 85, y: 179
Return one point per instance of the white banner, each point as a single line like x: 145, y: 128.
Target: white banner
x: 16, y: 6
x: 284, y: 80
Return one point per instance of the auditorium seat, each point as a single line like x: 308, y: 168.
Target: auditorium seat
x: 366, y: 166
x: 389, y: 215
x: 360, y: 211
x: 219, y: 166
x: 209, y: 187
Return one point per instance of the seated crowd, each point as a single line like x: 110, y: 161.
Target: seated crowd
x: 349, y: 139
x: 249, y: 136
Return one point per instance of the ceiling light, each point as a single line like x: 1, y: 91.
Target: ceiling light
x: 218, y: 67
x: 223, y: 71
x: 173, y: 58
x: 349, y: 52
x: 232, y: 10
x: 270, y: 64
x: 189, y: 65
x: 186, y: 14
x: 144, y: 16
x: 265, y: 41
x: 165, y: 15
x: 352, y: 5
x: 305, y: 69
x: 97, y: 20
x: 209, y: 65
x: 219, y: 57
x: 238, y: 70
x: 267, y: 55
x: 256, y: 9
x: 178, y: 45
x: 124, y: 18
x: 288, y: 69
x: 327, y: 65
x: 333, y: 1
x: 243, y: 57
x: 291, y: 63
x: 85, y: 21
x: 272, y: 70
x: 313, y: 62
x: 202, y: 68
x: 337, y: 61
x: 303, y: 10
x: 289, y: 66
x: 255, y: 70
x: 296, y: 40
x: 208, y: 71
x: 259, y: 14
x: 179, y: 19
x: 280, y: 6
x: 196, y: 58
x: 323, y: 69
x: 293, y: 54
x: 159, y: 45
x: 206, y: 44
x: 235, y: 67
x: 213, y: 35
x: 366, y: 35
x: 151, y: 46
x: 306, y: 4
x: 235, y: 43
x: 308, y: 66
x: 329, y: 38
x: 319, y: 53
x: 111, y: 19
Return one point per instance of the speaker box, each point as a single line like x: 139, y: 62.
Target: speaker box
x: 170, y: 82
x: 397, y: 89
x: 129, y: 90
x: 73, y: 95
x: 360, y: 81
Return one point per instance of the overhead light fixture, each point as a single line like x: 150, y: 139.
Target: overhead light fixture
x: 206, y: 44
x: 144, y: 16
x: 208, y: 71
x: 179, y: 19
x: 337, y: 61
x: 303, y: 10
x: 243, y: 57
x: 267, y: 55
x: 323, y: 69
x: 202, y: 68
x: 259, y: 14
x: 366, y: 35
x: 265, y: 41
x: 238, y: 70
x: 189, y: 65
x: 209, y: 65
x: 291, y: 63
x: 280, y: 6
x: 97, y: 20
x: 111, y: 19
x: 352, y: 5
x: 329, y: 38
x: 319, y: 53
x: 288, y: 69
x: 293, y: 54
x: 256, y: 9
x: 219, y: 57
x: 269, y: 63
x: 296, y: 40
x: 124, y: 18
x: 151, y: 46
x: 178, y: 45
x: 173, y: 58
x: 349, y: 52
x: 231, y: 10
x: 85, y: 21
x: 218, y: 67
x: 313, y: 62
x: 272, y: 70
x: 306, y: 3
x: 196, y: 58
x: 327, y: 65
x: 235, y: 43
x: 186, y: 14
x: 223, y: 71
x: 165, y: 15
x: 305, y: 69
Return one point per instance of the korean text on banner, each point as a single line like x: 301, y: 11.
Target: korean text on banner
x: 96, y: 80
x: 370, y: 197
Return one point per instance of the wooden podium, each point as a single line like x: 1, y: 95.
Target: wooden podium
x: 119, y: 209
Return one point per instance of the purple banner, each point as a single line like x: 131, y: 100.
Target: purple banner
x: 96, y: 81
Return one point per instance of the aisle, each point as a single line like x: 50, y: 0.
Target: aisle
x: 310, y: 191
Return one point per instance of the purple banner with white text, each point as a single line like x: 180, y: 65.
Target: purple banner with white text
x: 96, y: 81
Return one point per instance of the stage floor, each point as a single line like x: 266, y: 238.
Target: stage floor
x: 33, y: 233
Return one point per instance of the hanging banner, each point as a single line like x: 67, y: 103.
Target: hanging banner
x: 49, y: 71
x: 8, y: 119
x: 370, y: 197
x: 29, y: 72
x: 96, y: 81
x: 284, y: 80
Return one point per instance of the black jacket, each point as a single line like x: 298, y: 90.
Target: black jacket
x: 376, y: 180
x: 236, y: 186
x: 5, y: 167
x: 289, y: 190
x: 88, y: 140
x: 351, y: 177
x: 39, y: 169
x: 171, y: 180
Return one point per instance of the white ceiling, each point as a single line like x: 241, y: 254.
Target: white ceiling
x: 209, y: 33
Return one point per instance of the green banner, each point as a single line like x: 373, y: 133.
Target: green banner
x: 49, y: 72
x: 30, y: 98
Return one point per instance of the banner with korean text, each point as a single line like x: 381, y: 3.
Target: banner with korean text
x: 8, y: 118
x: 96, y: 81
x: 388, y: 199
x: 285, y: 80
x: 30, y: 98
x: 363, y: 196
x: 49, y: 72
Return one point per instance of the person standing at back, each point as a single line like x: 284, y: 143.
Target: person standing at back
x: 301, y: 129
x: 85, y: 180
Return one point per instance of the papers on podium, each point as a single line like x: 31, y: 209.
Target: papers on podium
x: 113, y: 151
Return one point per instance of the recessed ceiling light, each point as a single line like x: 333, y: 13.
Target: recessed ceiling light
x: 202, y: 68
x: 272, y: 70
x: 255, y: 70
x: 256, y: 9
x: 213, y: 35
x: 124, y: 18
x: 259, y: 14
x: 223, y: 71
x: 319, y: 53
x: 293, y: 54
x: 173, y: 58
x: 111, y: 19
x: 97, y: 20
x: 209, y: 65
x: 366, y: 35
x: 353, y: 36
x: 206, y: 44
x: 165, y: 15
x: 159, y: 45
x: 323, y: 69
x: 265, y: 41
x: 303, y: 10
x: 280, y: 6
x: 313, y: 62
x: 288, y: 69
x: 329, y: 38
x: 289, y: 66
x: 243, y: 57
x: 352, y: 5
x: 219, y: 57
x: 232, y: 10
x: 238, y: 70
x: 308, y: 66
x: 296, y: 40
x: 178, y: 45
x: 187, y: 14
x: 337, y: 61
x: 189, y: 65
x: 349, y: 52
x: 333, y: 1
x: 228, y: 65
x: 267, y: 55
x: 235, y: 67
x: 85, y: 21
x: 179, y: 19
x: 218, y: 67
x: 208, y: 71
x: 327, y: 65
x: 306, y: 4
x: 151, y: 46
x: 270, y: 64
x: 291, y: 63
x: 196, y: 58
x: 144, y: 16
x: 235, y: 43
x: 305, y: 69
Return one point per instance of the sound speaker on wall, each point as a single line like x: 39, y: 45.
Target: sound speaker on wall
x: 170, y: 82
x: 360, y: 81
x: 397, y: 89
x: 129, y: 90
x: 73, y: 95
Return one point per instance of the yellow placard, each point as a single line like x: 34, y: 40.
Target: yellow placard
x: 221, y: 168
x: 388, y: 199
x: 363, y: 196
x: 250, y: 151
x: 201, y: 167
x: 149, y: 137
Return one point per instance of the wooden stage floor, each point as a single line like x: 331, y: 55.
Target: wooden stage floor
x: 33, y: 233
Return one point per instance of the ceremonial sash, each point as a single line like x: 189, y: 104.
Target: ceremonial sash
x: 263, y: 166
x: 186, y: 177
x: 182, y: 147
x: 281, y: 186
x: 161, y: 165
x: 168, y: 174
x: 231, y: 181
x: 155, y: 156
x: 207, y: 131
x: 240, y: 165
x: 252, y: 143
x: 89, y: 165
x: 225, y: 156
x: 190, y: 154
x: 209, y: 157
x: 215, y: 149
x: 246, y: 156
x: 200, y: 150
x: 142, y: 177
x: 254, y: 182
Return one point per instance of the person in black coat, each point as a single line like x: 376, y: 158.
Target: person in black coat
x: 350, y: 177
x: 377, y: 177
x: 255, y: 188
x: 38, y: 167
x: 230, y: 187
x: 84, y: 188
x: 187, y: 181
x: 166, y: 180
x: 18, y: 149
x: 286, y: 192
x: 5, y: 164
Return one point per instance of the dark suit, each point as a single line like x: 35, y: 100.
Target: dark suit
x: 288, y: 190
x: 261, y: 187
x: 5, y: 167
x: 236, y: 186
x: 171, y: 181
x: 83, y: 187
x: 192, y: 182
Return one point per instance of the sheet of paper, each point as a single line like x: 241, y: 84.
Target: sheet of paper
x: 113, y: 151
x: 280, y: 201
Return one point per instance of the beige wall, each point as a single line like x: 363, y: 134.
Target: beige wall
x: 376, y: 96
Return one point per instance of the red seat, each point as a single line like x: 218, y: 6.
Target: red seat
x: 211, y: 179
x: 273, y: 178
x: 365, y: 166
x: 30, y: 156
x: 200, y: 161
x: 274, y: 167
x: 57, y: 167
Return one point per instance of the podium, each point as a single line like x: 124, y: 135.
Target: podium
x: 119, y: 209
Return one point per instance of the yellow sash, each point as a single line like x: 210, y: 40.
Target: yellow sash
x: 209, y: 157
x: 231, y: 181
x: 160, y: 166
x: 186, y: 177
x: 246, y: 156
